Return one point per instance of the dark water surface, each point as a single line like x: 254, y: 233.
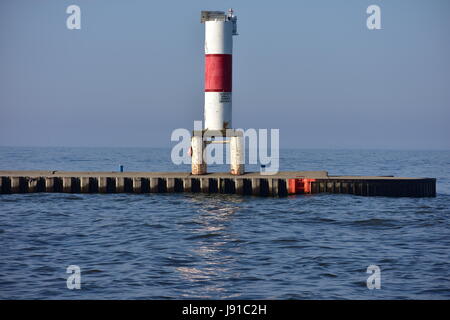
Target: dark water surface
x: 224, y: 246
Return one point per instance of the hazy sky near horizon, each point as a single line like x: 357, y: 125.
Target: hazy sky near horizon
x: 134, y: 72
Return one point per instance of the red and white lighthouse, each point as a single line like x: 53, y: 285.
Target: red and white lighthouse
x: 220, y: 27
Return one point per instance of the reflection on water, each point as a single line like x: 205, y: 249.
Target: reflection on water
x: 210, y: 240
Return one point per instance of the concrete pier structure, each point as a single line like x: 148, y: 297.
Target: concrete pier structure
x: 279, y: 185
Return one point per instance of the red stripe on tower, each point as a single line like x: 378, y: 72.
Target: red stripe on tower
x: 218, y: 73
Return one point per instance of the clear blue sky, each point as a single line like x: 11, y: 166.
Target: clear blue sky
x: 134, y: 72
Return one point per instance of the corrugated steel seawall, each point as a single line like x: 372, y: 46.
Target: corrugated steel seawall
x: 281, y: 184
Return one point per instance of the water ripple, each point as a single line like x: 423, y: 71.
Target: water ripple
x: 176, y: 246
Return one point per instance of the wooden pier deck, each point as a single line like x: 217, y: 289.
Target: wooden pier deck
x: 281, y: 184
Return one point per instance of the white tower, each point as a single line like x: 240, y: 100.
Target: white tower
x: 220, y: 27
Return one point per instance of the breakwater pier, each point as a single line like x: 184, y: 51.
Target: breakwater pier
x: 278, y: 185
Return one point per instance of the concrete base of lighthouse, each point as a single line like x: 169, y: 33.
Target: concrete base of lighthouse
x: 237, y: 153
x: 201, y: 139
x: 197, y: 147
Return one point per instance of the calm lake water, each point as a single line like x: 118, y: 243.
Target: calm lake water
x: 157, y: 246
